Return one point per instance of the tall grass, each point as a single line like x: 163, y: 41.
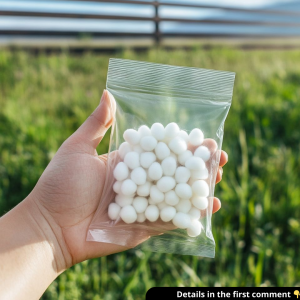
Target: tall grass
x: 257, y: 232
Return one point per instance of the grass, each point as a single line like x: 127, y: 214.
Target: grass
x: 44, y: 98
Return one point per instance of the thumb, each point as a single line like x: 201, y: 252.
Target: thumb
x: 94, y: 128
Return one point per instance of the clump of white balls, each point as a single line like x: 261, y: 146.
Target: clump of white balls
x: 159, y: 177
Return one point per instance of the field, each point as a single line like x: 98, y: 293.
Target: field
x: 44, y: 98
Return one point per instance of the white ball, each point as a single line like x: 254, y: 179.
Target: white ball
x: 151, y: 202
x: 201, y: 174
x: 184, y: 205
x: 131, y: 136
x: 117, y: 187
x: 169, y: 166
x: 140, y: 204
x: 173, y: 155
x: 156, y: 195
x: 195, y: 163
x: 184, y: 156
x: 200, y: 188
x: 171, y: 131
x: 121, y: 171
x: 194, y: 213
x: 196, y: 137
x: 132, y: 160
x: 144, y: 131
x: 200, y: 202
x: 138, y: 176
x: 124, y: 149
x: 178, y: 145
x: 167, y: 213
x: 162, y: 151
x: 128, y: 214
x: 194, y: 229
x: 123, y: 200
x: 171, y: 198
x: 148, y: 143
x: 182, y: 220
x: 128, y: 187
x: 138, y: 149
x: 166, y: 183
x: 183, y: 190
x: 182, y: 175
x: 144, y: 189
x: 141, y: 218
x: 113, y: 211
x: 202, y: 152
x: 147, y: 159
x: 152, y: 213
x: 155, y: 171
x: 162, y: 205
x: 184, y: 135
x: 158, y: 131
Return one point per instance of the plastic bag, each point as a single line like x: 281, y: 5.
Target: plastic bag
x: 148, y: 93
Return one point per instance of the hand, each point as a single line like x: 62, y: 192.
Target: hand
x: 69, y: 191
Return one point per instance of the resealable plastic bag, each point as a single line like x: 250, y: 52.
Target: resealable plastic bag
x: 147, y: 93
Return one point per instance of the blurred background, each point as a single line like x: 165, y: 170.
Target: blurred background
x: 53, y: 64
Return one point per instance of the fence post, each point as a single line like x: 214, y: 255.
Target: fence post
x: 156, y: 20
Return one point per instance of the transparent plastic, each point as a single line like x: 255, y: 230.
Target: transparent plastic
x: 147, y: 93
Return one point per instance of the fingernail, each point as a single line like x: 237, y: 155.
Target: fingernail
x: 103, y: 95
x: 226, y: 155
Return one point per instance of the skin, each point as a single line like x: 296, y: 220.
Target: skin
x: 46, y: 233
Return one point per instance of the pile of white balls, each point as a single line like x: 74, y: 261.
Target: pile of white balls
x: 160, y: 176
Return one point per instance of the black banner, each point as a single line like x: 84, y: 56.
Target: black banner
x: 171, y: 293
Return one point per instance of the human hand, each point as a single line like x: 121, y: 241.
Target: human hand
x: 69, y: 191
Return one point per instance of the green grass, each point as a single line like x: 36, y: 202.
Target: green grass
x: 43, y: 99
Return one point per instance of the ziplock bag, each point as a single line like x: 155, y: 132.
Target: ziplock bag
x: 145, y: 197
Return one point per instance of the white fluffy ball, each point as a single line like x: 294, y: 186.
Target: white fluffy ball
x: 194, y: 229
x: 200, y: 188
x: 184, y: 205
x: 184, y: 156
x: 128, y: 214
x: 140, y: 204
x: 138, y: 149
x: 184, y: 135
x: 121, y: 171
x: 158, y: 131
x: 171, y: 198
x: 155, y: 171
x: 201, y: 174
x: 167, y: 213
x: 156, y: 195
x: 171, y: 130
x: 123, y: 200
x: 141, y: 218
x: 138, y: 176
x: 178, y: 145
x: 124, y: 149
x: 166, y: 183
x: 183, y: 190
x: 131, y: 136
x: 202, y: 152
x: 200, y: 202
x: 162, y: 205
x: 144, y: 131
x: 148, y: 143
x: 182, y: 220
x: 144, y: 189
x: 147, y: 159
x: 152, y: 213
x: 196, y: 137
x: 113, y: 211
x: 182, y: 175
x: 169, y: 166
x: 195, y: 163
x: 194, y: 213
x: 128, y: 187
x: 117, y: 187
x: 162, y: 151
x: 132, y: 160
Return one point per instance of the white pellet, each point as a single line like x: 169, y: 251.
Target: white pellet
x: 162, y: 151
x: 151, y: 202
x: 144, y: 131
x: 182, y: 220
x: 144, y: 189
x: 196, y: 137
x: 184, y: 135
x: 183, y: 190
x: 166, y: 183
x: 131, y: 136
x: 147, y: 159
x: 148, y: 143
x: 123, y: 200
x: 138, y: 176
x: 194, y: 229
x: 128, y: 187
x: 173, y: 155
x: 200, y: 188
x: 158, y: 131
x: 155, y: 171
x: 140, y: 204
x: 152, y: 213
x: 202, y: 152
x: 184, y: 156
x: 167, y: 213
x: 124, y: 149
x: 169, y: 166
x: 194, y: 163
x: 138, y: 149
x: 113, y: 211
x: 184, y: 205
x: 200, y: 202
x: 171, y: 131
x: 201, y: 174
x: 132, y: 160
x: 162, y: 205
x: 178, y: 145
x: 117, y: 187
x: 171, y: 198
x: 121, y: 171
x: 194, y: 213
x: 156, y: 195
x: 182, y: 175
x: 128, y: 214
x: 141, y: 218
